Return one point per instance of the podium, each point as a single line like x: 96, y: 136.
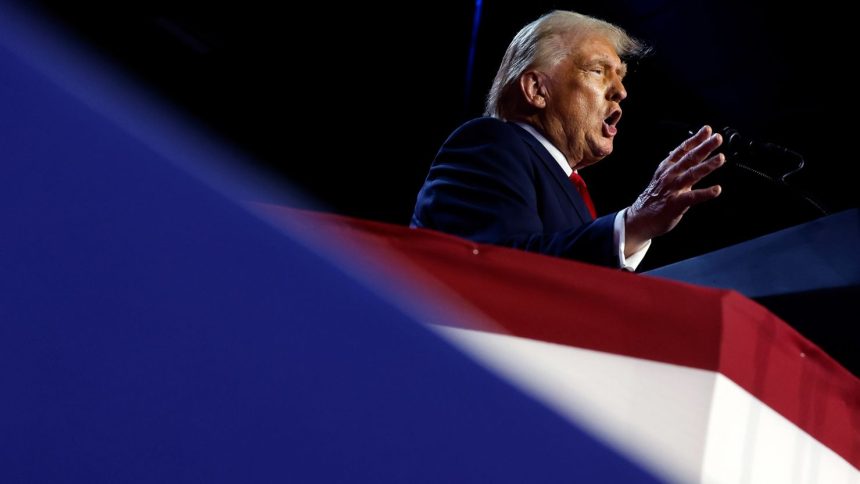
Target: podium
x: 808, y: 275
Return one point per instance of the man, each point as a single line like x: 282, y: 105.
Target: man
x: 553, y: 109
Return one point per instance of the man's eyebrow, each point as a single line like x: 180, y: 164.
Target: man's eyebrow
x: 607, y: 63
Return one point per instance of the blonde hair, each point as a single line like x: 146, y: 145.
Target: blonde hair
x: 541, y: 44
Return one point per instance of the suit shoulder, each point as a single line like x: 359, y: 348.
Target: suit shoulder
x: 485, y: 129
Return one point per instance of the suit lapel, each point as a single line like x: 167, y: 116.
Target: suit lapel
x: 558, y: 174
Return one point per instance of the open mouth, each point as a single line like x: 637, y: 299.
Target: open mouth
x: 614, y: 117
x: 609, y: 128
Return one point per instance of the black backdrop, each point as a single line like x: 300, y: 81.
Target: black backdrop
x: 349, y: 104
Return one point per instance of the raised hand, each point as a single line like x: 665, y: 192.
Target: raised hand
x: 670, y: 194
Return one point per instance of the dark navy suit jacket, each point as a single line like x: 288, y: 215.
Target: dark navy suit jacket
x: 493, y: 182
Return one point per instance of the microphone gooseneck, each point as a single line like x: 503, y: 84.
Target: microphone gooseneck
x: 760, y: 157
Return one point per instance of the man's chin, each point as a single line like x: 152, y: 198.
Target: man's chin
x: 597, y: 154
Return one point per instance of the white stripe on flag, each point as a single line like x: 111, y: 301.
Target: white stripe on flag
x: 683, y: 424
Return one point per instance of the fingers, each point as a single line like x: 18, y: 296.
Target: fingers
x: 689, y: 144
x: 698, y: 153
x: 695, y: 197
x: 661, y: 206
x: 697, y: 172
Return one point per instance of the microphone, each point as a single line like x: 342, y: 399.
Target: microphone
x: 737, y: 144
x: 763, y: 158
x: 769, y: 160
x: 755, y: 157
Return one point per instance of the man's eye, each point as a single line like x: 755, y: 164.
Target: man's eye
x: 597, y: 70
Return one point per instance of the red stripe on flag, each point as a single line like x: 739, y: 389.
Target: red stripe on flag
x: 575, y: 304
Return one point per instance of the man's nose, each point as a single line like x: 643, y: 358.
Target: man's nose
x: 617, y: 92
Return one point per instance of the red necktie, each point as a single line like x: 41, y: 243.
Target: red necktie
x: 579, y: 183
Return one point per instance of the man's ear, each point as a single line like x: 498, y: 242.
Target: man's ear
x: 533, y: 89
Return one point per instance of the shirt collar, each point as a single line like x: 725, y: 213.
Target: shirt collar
x: 556, y: 154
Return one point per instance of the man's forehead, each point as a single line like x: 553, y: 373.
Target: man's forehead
x: 594, y: 45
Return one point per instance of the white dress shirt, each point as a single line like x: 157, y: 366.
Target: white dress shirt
x: 627, y: 263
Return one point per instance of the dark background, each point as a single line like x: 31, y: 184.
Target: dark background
x: 349, y: 104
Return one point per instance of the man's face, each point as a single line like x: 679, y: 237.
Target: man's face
x: 583, y: 96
